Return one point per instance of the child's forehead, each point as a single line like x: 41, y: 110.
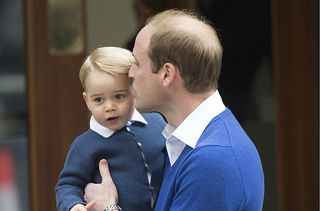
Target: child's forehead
x: 102, y: 80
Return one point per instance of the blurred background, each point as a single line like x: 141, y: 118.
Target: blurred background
x: 269, y: 79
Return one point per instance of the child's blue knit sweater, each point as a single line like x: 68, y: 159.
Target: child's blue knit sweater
x: 125, y: 162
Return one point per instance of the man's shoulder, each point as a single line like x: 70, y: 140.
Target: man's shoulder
x: 210, y: 153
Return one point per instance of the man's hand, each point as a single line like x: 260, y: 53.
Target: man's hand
x: 102, y: 194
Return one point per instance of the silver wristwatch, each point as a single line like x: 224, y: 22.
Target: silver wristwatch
x: 112, y: 207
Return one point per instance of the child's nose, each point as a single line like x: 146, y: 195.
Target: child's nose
x: 110, y: 107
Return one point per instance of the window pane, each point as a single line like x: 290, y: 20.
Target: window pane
x: 13, y: 113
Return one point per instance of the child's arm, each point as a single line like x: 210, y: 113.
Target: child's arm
x: 77, y: 172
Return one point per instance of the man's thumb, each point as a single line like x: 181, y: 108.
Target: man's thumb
x: 104, y: 171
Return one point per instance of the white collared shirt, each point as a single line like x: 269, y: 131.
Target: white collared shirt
x: 106, y: 133
x: 190, y: 130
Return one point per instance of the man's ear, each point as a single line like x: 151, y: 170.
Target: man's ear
x: 169, y: 74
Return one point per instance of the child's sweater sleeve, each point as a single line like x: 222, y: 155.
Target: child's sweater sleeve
x: 75, y: 175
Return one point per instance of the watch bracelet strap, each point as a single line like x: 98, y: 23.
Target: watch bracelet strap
x: 112, y: 207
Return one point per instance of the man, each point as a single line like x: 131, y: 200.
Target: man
x: 211, y: 164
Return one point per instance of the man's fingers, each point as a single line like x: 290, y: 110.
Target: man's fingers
x: 104, y: 171
x: 104, y: 193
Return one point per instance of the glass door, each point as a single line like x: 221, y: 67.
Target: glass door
x: 13, y: 109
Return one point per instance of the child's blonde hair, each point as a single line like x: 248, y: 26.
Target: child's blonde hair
x: 113, y: 60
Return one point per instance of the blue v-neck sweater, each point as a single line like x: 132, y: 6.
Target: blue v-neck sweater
x: 125, y: 162
x: 222, y: 173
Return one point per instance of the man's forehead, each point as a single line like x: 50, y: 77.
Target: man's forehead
x: 142, y: 39
x: 146, y: 32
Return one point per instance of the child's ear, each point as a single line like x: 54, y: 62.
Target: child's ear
x: 85, y: 97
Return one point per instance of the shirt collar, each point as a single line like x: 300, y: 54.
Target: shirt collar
x: 106, y: 132
x: 190, y: 130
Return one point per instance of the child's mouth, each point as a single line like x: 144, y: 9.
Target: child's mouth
x: 112, y: 118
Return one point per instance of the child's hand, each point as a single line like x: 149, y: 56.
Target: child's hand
x: 90, y: 206
x: 78, y: 207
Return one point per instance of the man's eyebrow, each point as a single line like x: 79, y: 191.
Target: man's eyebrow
x: 135, y: 59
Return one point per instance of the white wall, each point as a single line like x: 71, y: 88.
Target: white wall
x: 109, y: 23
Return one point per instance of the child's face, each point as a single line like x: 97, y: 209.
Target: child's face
x: 109, y: 98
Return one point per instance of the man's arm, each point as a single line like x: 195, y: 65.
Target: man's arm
x: 103, y: 194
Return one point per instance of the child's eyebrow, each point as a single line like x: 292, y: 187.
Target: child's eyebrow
x: 121, y: 91
x: 96, y: 95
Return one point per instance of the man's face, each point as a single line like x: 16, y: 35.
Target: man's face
x: 147, y: 86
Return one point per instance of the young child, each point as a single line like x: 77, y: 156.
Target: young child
x: 132, y: 143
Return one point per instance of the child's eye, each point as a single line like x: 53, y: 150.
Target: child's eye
x: 119, y: 96
x: 97, y: 100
